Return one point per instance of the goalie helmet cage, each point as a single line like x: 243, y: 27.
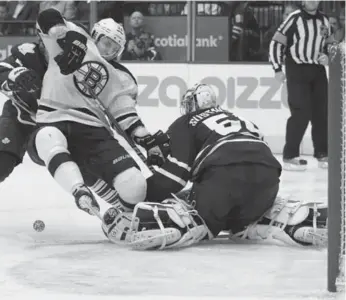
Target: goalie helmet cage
x: 337, y: 170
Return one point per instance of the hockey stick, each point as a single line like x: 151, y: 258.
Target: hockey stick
x: 94, y: 211
x: 114, y: 124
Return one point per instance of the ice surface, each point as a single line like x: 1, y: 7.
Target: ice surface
x: 71, y: 259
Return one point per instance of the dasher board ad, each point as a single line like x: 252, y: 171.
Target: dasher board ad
x: 255, y: 96
x: 250, y: 91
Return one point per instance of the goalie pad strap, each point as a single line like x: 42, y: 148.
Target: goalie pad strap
x: 171, y: 224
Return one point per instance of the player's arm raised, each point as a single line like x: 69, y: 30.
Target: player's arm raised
x: 73, y: 44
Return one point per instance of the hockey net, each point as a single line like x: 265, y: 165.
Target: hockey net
x: 341, y: 277
x: 337, y: 172
x: 340, y: 280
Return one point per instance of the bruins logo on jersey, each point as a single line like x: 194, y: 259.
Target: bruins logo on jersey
x: 92, y: 75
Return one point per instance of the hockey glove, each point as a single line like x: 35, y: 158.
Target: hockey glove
x: 74, y: 50
x: 157, y: 147
x: 25, y: 85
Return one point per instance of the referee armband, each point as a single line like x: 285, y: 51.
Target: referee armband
x: 280, y: 38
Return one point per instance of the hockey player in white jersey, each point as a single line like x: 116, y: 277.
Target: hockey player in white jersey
x: 74, y: 135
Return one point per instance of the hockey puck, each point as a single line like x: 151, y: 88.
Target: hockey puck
x: 39, y: 225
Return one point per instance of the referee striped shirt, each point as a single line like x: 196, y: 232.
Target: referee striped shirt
x: 301, y: 37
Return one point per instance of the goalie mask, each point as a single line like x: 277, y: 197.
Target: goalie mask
x: 200, y: 96
x: 109, y: 38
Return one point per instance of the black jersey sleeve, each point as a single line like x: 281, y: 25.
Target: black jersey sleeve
x: 175, y: 172
x: 25, y: 55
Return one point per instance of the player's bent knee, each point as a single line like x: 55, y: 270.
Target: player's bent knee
x: 49, y: 142
x: 131, y: 186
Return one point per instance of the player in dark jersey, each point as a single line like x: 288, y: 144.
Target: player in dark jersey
x: 235, y: 184
x: 21, y: 75
x: 226, y: 159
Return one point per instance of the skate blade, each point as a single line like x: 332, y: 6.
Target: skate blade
x: 292, y: 167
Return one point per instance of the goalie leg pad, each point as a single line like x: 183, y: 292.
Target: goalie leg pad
x: 286, y: 222
x: 116, y: 226
x: 155, y: 238
x: 171, y: 224
x: 287, y: 212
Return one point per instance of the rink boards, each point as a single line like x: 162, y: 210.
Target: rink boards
x: 248, y: 90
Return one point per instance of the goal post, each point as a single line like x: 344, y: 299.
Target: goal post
x: 336, y: 170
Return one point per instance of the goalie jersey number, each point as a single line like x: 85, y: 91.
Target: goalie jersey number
x: 91, y: 75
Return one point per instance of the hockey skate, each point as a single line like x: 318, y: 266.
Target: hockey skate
x: 322, y: 162
x: 86, y: 201
x: 295, y: 164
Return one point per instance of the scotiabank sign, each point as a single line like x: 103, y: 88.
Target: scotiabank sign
x: 171, y: 40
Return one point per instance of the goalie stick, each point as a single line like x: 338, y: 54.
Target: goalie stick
x: 114, y: 124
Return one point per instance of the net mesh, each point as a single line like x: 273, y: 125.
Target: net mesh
x: 340, y: 281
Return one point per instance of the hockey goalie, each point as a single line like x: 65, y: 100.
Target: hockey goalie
x: 235, y: 187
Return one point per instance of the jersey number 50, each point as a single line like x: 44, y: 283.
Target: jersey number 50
x: 224, y: 125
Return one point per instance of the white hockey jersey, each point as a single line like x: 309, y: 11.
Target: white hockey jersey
x: 63, y: 97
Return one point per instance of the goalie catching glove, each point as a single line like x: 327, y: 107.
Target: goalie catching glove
x: 74, y: 50
x: 24, y: 87
x: 157, y: 147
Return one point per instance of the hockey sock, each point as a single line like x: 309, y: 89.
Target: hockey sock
x: 105, y: 191
x: 65, y: 171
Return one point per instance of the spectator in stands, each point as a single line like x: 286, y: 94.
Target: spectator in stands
x: 3, y: 17
x: 337, y: 27
x: 66, y: 8
x: 245, y: 41
x: 136, y: 24
x: 139, y: 43
x: 22, y: 11
x: 289, y: 8
x: 140, y: 48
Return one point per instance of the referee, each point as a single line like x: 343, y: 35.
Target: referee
x: 301, y: 39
